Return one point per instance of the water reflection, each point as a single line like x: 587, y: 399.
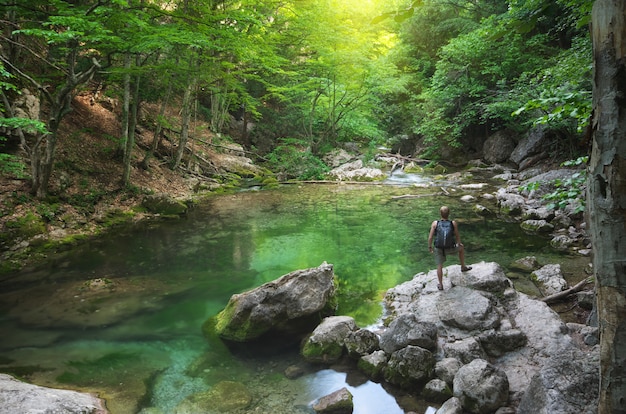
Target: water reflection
x: 136, y: 337
x: 369, y: 397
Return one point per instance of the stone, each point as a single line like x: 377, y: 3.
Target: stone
x: 550, y: 279
x: 465, y: 350
x: 326, y: 343
x: 361, y: 342
x: 519, y: 316
x: 405, y: 330
x: 536, y: 226
x: 510, y: 204
x: 356, y: 171
x: 288, y: 306
x: 498, y: 147
x: 481, y: 387
x: 488, y: 277
x: 525, y: 264
x: 483, y: 211
x: 294, y: 371
x: 437, y: 391
x: 410, y: 367
x: 586, y: 299
x: 561, y: 242
x: 566, y: 383
x: 225, y: 396
x: 447, y: 368
x: 467, y: 198
x: 337, y: 157
x: 339, y: 402
x: 540, y: 213
x: 21, y: 397
x: 530, y: 145
x: 373, y: 364
x: 476, y: 312
x: 545, y: 183
x: 164, y: 205
x: 451, y: 406
x: 498, y: 343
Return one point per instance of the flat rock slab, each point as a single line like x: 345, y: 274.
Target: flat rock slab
x: 21, y: 397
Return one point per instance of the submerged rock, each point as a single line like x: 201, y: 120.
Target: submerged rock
x: 225, y: 396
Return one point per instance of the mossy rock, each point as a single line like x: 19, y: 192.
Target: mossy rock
x: 324, y: 353
x: 164, y: 205
x: 224, y: 397
x: 26, y: 227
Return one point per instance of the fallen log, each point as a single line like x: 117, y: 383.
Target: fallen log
x: 562, y: 295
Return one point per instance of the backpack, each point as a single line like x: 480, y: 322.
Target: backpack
x: 444, y: 235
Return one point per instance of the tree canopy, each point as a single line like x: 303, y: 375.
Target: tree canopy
x: 310, y: 74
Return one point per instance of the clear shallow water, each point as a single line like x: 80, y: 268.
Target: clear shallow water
x: 122, y: 314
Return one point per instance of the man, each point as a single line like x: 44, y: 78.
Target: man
x: 439, y: 229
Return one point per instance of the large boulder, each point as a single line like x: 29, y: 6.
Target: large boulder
x: 410, y: 367
x: 481, y: 387
x: 530, y: 145
x: 567, y: 383
x: 327, y: 342
x: 356, y: 171
x: 405, y: 330
x: 498, y: 147
x: 288, y: 307
x: 476, y: 312
x: 361, y: 342
x: 21, y: 397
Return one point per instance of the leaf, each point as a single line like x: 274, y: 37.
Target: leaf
x: 381, y: 18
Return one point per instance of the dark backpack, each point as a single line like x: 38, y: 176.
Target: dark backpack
x: 444, y: 235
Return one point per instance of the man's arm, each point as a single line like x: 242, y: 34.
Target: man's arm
x: 431, y: 234
x: 457, y: 236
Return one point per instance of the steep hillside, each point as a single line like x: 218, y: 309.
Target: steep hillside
x: 86, y: 191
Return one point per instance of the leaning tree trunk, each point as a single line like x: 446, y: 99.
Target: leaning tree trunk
x: 607, y: 197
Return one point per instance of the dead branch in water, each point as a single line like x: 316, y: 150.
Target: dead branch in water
x: 562, y: 295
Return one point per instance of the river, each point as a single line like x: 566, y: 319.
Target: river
x: 121, y: 315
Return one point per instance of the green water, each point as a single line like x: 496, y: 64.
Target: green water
x: 134, y: 333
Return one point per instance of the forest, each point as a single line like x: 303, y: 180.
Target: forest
x: 291, y: 80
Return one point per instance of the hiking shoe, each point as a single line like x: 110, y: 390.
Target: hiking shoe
x: 440, y: 286
x: 466, y: 268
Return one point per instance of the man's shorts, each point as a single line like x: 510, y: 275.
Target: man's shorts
x: 440, y: 257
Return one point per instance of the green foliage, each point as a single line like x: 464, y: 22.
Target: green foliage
x: 293, y: 159
x: 25, y: 227
x: 563, y: 90
x: 572, y: 189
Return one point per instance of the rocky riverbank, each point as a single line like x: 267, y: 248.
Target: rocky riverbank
x: 478, y: 346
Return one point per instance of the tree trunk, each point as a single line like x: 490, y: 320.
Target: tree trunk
x: 607, y: 197
x: 125, y: 105
x: 132, y: 126
x: 185, y: 120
